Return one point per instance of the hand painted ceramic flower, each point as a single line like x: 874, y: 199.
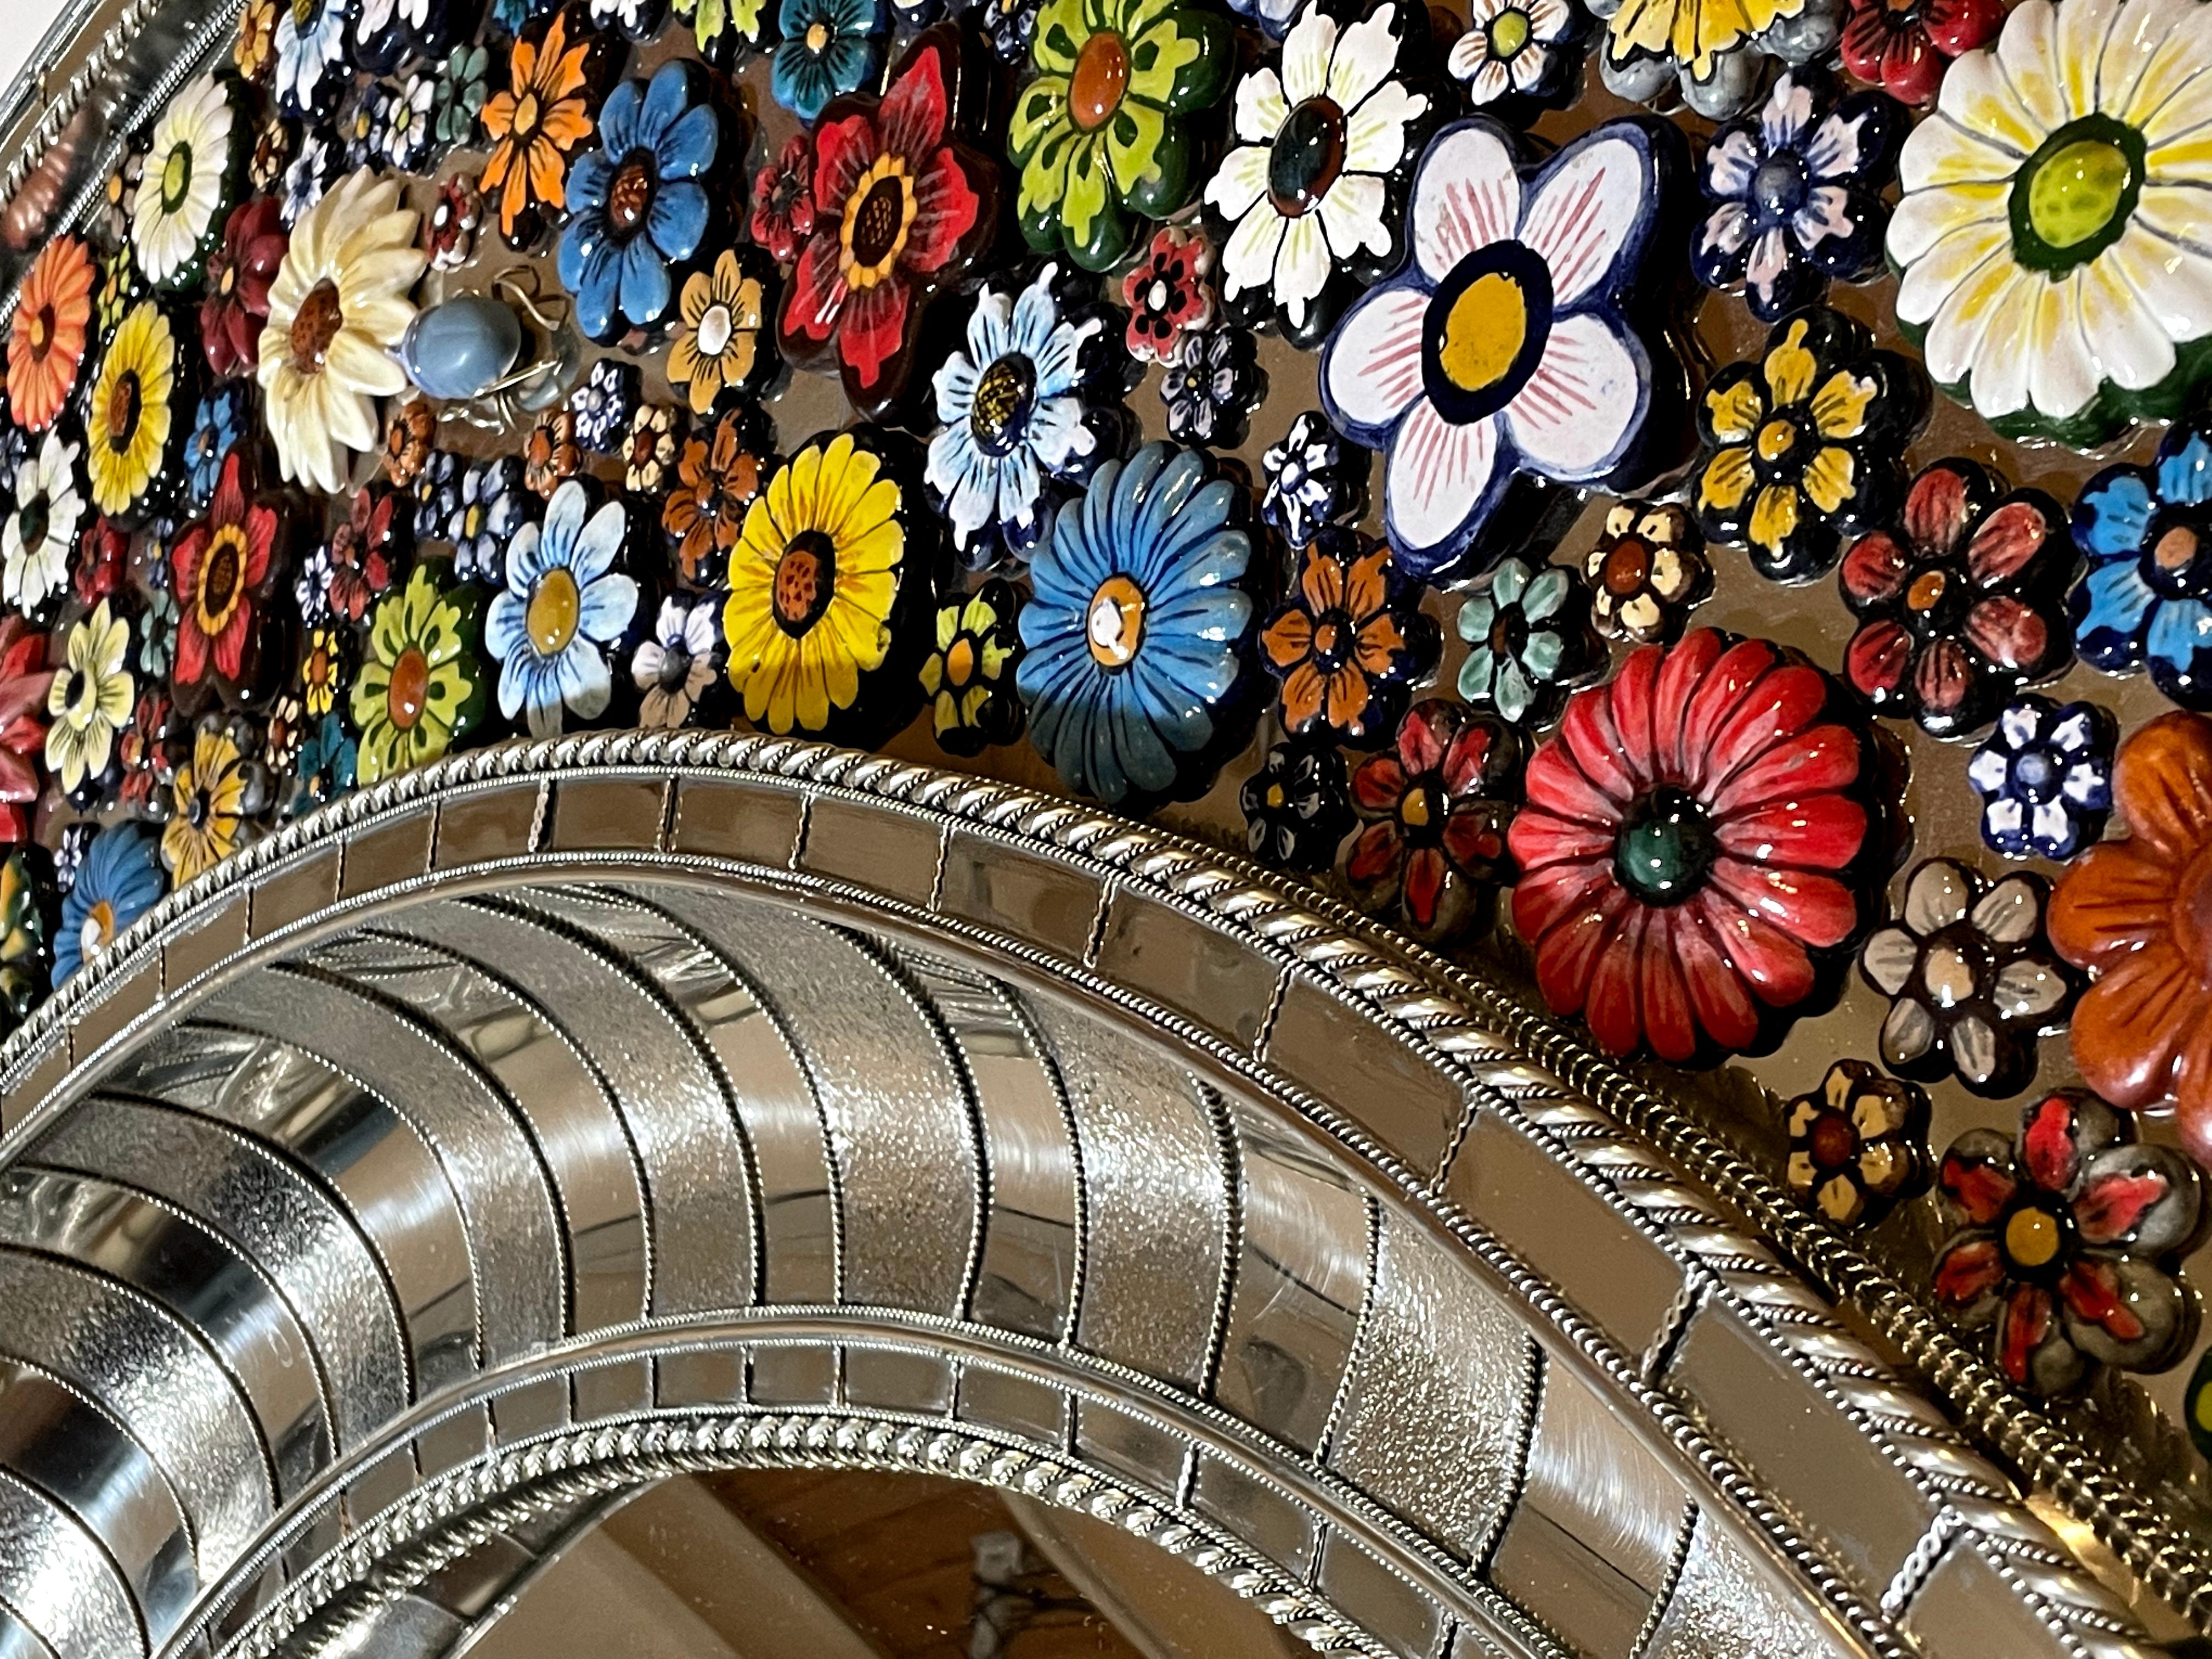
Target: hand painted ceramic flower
x: 2045, y: 776
x: 716, y: 355
x: 1212, y: 386
x: 1297, y: 807
x: 968, y: 675
x: 638, y: 203
x: 36, y: 536
x: 102, y: 559
x: 1106, y: 132
x: 146, y: 744
x: 236, y: 306
x: 26, y: 952
x: 408, y: 134
x: 565, y: 611
x: 338, y: 309
x: 1169, y: 291
x: 1969, y: 982
x: 602, y: 403
x: 902, y: 209
x: 459, y: 94
x: 1028, y: 407
x: 192, y: 164
x: 1798, y: 194
x: 1312, y: 479
x: 46, y: 335
x: 1904, y: 48
x: 311, y: 66
x: 552, y: 456
x: 652, y: 442
x: 1692, y: 849
x: 783, y: 200
x: 449, y: 234
x: 25, y: 681
x: 135, y: 412
x: 2068, y: 1243
x: 1502, y: 347
x: 829, y: 587
x: 1805, y: 445
x: 1347, y: 642
x: 724, y: 30
x: 541, y: 118
x: 1435, y: 807
x: 676, y: 666
x: 1307, y: 198
x: 329, y: 660
x: 88, y: 703
x: 1139, y: 630
x: 2048, y: 230
x: 311, y: 173
x: 1712, y: 53
x: 1647, y: 572
x: 1528, y: 638
x: 1960, y: 609
x: 718, y: 477
x: 2145, y: 601
x: 830, y: 48
x: 253, y: 54
x: 1857, y: 1146
x: 641, y: 20
x: 363, y: 555
x: 424, y: 685
x: 224, y: 570
x: 118, y: 882
x: 217, y: 792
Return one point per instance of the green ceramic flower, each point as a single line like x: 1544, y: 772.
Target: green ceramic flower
x: 422, y: 684
x: 1104, y: 134
x: 724, y: 27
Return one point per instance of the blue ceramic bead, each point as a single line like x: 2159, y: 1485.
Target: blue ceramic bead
x: 459, y: 347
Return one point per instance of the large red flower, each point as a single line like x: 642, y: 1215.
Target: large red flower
x: 220, y: 564
x: 1689, y: 841
x: 24, y: 678
x: 238, y: 274
x: 899, y: 212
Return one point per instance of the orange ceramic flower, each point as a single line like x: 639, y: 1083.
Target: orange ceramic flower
x: 2137, y: 914
x: 45, y: 340
x: 543, y: 114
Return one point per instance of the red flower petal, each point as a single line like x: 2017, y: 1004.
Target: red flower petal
x: 1819, y: 832
x: 944, y: 211
x: 1544, y: 899
x: 1819, y: 910
x: 1772, y: 965
x: 1633, y: 710
x: 1588, y: 730
x: 1873, y: 572
x: 1782, y: 704
x: 1959, y: 26
x: 2111, y: 1207
x: 1875, y: 660
x: 228, y: 506
x: 1425, y: 875
x: 1374, y: 853
x: 1567, y: 955
x: 1467, y: 756
x: 912, y: 113
x: 1539, y: 838
x: 2022, y: 1329
x: 1717, y: 992
x: 1717, y: 696
x: 1555, y: 783
x: 1611, y: 1008
x: 1679, y: 673
x: 842, y: 150
x: 873, y: 329
x: 816, y: 294
x: 1967, y: 1272
x: 1980, y: 1188
x: 2005, y: 540
x: 2048, y: 1145
x: 2009, y: 632
x: 1942, y: 676
x: 1422, y: 735
x: 191, y: 665
x: 1937, y: 508
x: 1473, y: 839
x: 1668, y: 1020
x: 1826, y: 758
x: 1379, y: 783
x: 1911, y: 70
x: 2093, y: 1293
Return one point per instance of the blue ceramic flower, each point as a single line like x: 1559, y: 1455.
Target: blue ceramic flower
x: 487, y: 506
x: 635, y: 203
x: 118, y: 882
x: 564, y: 606
x: 829, y: 47
x: 2045, y: 778
x: 310, y: 54
x: 216, y: 424
x: 602, y: 403
x: 2145, y: 601
x: 1311, y: 480
x: 326, y: 767
x: 512, y: 16
x: 1139, y: 635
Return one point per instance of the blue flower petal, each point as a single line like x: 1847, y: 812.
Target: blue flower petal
x: 2179, y: 628
x: 678, y: 220
x: 2185, y: 468
x: 688, y: 149
x: 619, y: 132
x: 2109, y: 606
x: 2114, y: 513
x: 667, y: 96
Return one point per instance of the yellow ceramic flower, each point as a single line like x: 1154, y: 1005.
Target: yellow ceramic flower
x: 256, y: 47
x: 88, y: 703
x: 718, y: 342
x: 127, y: 420
x: 337, y: 309
x: 813, y: 578
x: 215, y: 791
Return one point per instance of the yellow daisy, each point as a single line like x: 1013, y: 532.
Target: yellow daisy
x: 127, y: 420
x: 717, y: 344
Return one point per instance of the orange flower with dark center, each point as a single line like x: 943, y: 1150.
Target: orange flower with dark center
x: 543, y: 115
x: 46, y: 337
x: 717, y: 480
x: 1349, y: 639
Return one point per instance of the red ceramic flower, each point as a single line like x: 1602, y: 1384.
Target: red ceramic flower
x: 900, y: 211
x: 219, y: 565
x: 144, y: 747
x: 1691, y: 840
x: 1436, y: 804
x: 1903, y: 47
x: 362, y: 552
x: 96, y: 569
x: 1170, y: 290
x: 238, y: 274
x: 783, y: 200
x: 2137, y: 914
x: 24, y: 678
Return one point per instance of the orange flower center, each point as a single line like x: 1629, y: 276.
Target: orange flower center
x: 42, y: 328
x: 409, y: 690
x: 1101, y: 77
x: 123, y: 409
x: 805, y: 577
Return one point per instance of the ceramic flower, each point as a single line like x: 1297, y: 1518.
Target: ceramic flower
x: 2127, y: 911
x: 826, y: 582
x: 722, y: 29
x: 311, y: 66
x: 716, y: 355
x: 1969, y: 983
x: 46, y: 334
x: 602, y: 403
x: 119, y: 195
x: 119, y: 881
x: 1528, y: 638
x: 338, y: 307
x: 1348, y: 640
x: 718, y: 479
x: 1434, y: 808
x: 1905, y: 48
x: 901, y: 209
x: 449, y: 234
x: 327, y: 766
x: 1169, y: 291
x: 1311, y: 480
x: 36, y: 536
x: 26, y: 898
x: 216, y: 791
x: 273, y: 142
x: 1798, y: 194
x: 1140, y: 631
x: 1108, y: 133
x: 363, y: 558
x: 25, y: 681
x: 253, y: 54
x: 459, y: 94
x: 535, y: 122
x: 1691, y: 848
x: 1022, y: 406
x: 1856, y: 1144
x: 191, y: 163
x: 1310, y: 190
x: 484, y: 511
x: 422, y: 685
x: 235, y: 305
x: 1297, y: 807
x: 1647, y: 572
x: 1500, y: 347
x: 102, y: 558
x: 408, y: 438
x: 88, y: 703
x: 637, y: 201
x: 783, y: 200
x: 1961, y: 609
x: 2045, y: 775
x: 969, y: 674
x: 551, y: 457
x: 2145, y: 601
x: 1011, y: 27
x: 1518, y: 49
x: 223, y: 567
x: 408, y: 134
x: 678, y: 663
x: 131, y: 424
x: 652, y: 441
x: 145, y: 750
x: 830, y: 48
x: 1212, y: 386
x: 1803, y: 444
x: 283, y: 734
x: 309, y: 176
x: 2068, y: 1240
x: 1710, y: 54
x: 2047, y: 233
x: 157, y: 640
x: 325, y: 668
x: 564, y: 607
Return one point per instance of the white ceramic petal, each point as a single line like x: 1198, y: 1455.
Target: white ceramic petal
x: 1436, y: 473
x: 1240, y: 181
x: 1372, y: 366
x: 1938, y: 895
x: 1467, y: 196
x: 1889, y: 957
x: 1907, y: 1033
x: 1581, y: 210
x: 1578, y: 412
x: 1307, y: 50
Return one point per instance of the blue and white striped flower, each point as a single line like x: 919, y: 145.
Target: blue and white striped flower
x: 564, y: 607
x: 310, y: 52
x: 2045, y: 776
x: 118, y: 882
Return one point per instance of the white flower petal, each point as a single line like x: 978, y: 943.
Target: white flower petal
x: 1467, y: 196
x: 1352, y: 217
x: 1889, y: 957
x: 1375, y: 133
x: 1436, y: 473
x: 1936, y: 896
x: 1261, y: 108
x: 1302, y: 266
x: 1247, y: 258
x: 1978, y: 95
x: 2122, y: 333
x: 2025, y: 53
x: 1581, y: 212
x: 1366, y: 55
x: 1371, y: 368
x: 1587, y: 399
x: 1241, y: 181
x: 1307, y: 50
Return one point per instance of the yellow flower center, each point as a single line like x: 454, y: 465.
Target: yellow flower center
x: 1483, y: 331
x: 1776, y: 440
x: 2076, y: 190
x: 527, y: 114
x: 2032, y: 1237
x: 1509, y: 33
x: 1115, y: 622
x: 878, y: 214
x: 817, y: 36
x: 555, y: 608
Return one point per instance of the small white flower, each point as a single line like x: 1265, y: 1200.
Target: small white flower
x: 36, y: 538
x: 563, y: 604
x: 1508, y: 46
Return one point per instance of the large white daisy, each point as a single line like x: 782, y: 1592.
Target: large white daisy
x: 2051, y: 232
x: 173, y: 218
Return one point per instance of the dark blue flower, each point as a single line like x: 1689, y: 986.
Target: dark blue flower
x: 1139, y: 632
x: 489, y: 505
x: 829, y: 47
x: 119, y: 880
x: 2045, y: 778
x: 635, y: 203
x: 2145, y: 601
x: 216, y: 424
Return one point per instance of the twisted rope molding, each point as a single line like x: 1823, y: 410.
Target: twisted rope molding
x: 1598, y: 1120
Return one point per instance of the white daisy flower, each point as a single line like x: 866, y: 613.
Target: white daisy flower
x: 182, y: 185
x: 35, y: 539
x: 1510, y: 45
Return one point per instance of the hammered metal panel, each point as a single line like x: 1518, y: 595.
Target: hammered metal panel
x: 18, y: 1640
x: 57, y: 1574
x: 1728, y: 1604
